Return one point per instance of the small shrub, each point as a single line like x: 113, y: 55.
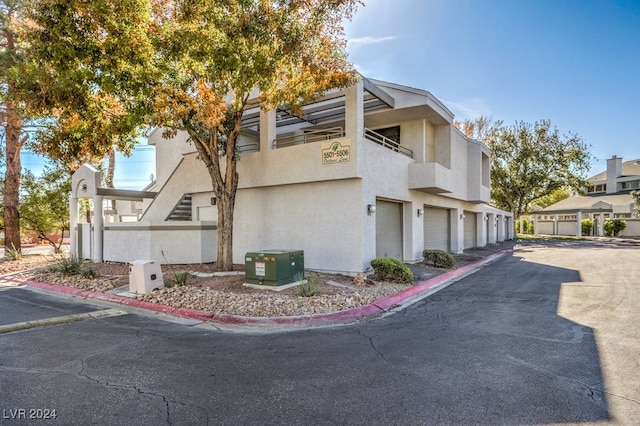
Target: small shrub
x: 527, y: 226
x: 309, y: 288
x: 71, y: 265
x: 88, y: 272
x: 439, y: 258
x: 587, y: 226
x: 613, y: 227
x: 13, y: 254
x: 388, y: 269
x: 180, y: 277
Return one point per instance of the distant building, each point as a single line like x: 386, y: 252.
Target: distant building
x: 608, y: 196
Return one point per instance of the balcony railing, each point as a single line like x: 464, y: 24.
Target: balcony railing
x: 253, y: 146
x: 387, y: 143
x: 309, y: 137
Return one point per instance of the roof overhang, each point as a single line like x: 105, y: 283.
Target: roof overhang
x: 124, y: 194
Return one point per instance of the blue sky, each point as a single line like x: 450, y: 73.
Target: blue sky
x: 574, y: 62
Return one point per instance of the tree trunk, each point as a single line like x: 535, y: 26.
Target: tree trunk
x: 224, y: 261
x: 13, y: 174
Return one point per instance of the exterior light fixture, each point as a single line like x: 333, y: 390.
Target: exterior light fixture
x: 84, y: 187
x: 420, y: 212
x: 371, y: 209
x: 214, y: 201
x: 462, y: 216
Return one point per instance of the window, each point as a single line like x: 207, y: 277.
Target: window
x: 632, y: 184
x: 597, y: 188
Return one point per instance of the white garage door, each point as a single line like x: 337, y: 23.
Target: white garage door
x: 469, y: 230
x: 436, y: 228
x: 544, y: 228
x: 388, y: 229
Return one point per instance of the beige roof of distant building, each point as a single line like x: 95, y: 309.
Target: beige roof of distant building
x: 618, y: 202
x: 629, y: 168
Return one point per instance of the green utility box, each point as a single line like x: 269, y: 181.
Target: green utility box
x: 274, y: 267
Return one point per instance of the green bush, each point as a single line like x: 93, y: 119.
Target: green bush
x: 88, y: 272
x: 388, y: 269
x: 309, y: 288
x: 527, y: 227
x: 439, y: 258
x: 613, y: 227
x: 71, y: 265
x: 180, y: 277
x: 587, y: 226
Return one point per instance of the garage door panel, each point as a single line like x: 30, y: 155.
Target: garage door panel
x: 470, y: 230
x: 436, y: 229
x: 389, y: 229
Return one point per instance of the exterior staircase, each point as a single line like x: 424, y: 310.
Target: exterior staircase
x: 182, y: 210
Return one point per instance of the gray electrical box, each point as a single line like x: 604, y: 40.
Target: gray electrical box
x: 274, y: 267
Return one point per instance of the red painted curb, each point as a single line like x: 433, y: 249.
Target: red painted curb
x: 374, y: 308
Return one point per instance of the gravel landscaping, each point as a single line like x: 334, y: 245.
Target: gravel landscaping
x: 226, y: 294
x: 215, y: 294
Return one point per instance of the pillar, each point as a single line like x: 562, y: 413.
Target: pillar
x: 267, y: 129
x: 73, y: 224
x: 456, y: 219
x: 579, y: 224
x: 354, y: 112
x: 98, y: 230
x: 601, y: 225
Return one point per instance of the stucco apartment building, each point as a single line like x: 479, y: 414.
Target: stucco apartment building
x: 607, y: 196
x: 376, y: 169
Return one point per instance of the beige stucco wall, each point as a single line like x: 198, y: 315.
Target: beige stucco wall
x: 165, y: 242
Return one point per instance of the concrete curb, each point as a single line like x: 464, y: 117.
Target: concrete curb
x: 379, y: 306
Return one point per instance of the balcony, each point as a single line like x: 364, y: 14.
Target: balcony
x: 308, y: 137
x: 432, y: 178
x: 384, y: 141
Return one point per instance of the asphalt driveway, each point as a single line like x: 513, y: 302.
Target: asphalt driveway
x: 545, y: 335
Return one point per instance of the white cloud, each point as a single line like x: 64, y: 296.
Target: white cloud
x: 355, y: 43
x: 469, y: 108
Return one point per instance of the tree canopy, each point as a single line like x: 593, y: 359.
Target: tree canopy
x: 185, y: 66
x: 532, y: 161
x: 44, y: 203
x: 211, y: 58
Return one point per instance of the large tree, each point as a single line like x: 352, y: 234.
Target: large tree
x: 12, y: 114
x: 532, y: 161
x: 212, y: 55
x: 198, y: 62
x: 44, y: 203
x: 87, y: 71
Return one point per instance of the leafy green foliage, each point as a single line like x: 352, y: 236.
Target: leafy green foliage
x: 439, y: 258
x: 44, y: 203
x: 552, y: 198
x: 533, y: 161
x: 612, y: 228
x: 528, y: 227
x: 388, y: 269
x: 587, y: 226
x: 211, y: 56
